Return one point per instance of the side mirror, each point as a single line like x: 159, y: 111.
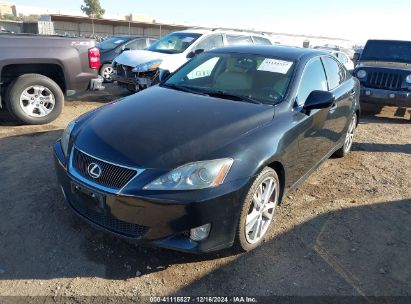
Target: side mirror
x: 319, y: 100
x: 164, y: 74
x: 124, y: 50
x: 194, y: 53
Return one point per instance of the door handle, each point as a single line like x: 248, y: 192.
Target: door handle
x: 333, y: 108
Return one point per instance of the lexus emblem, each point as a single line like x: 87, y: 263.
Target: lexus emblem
x: 94, y: 170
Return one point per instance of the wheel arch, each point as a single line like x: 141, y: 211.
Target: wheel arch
x: 278, y: 167
x: 51, y: 70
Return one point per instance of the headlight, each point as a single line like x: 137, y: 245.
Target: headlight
x: 361, y: 74
x: 198, y: 175
x: 408, y: 79
x: 65, y: 138
x: 146, y: 67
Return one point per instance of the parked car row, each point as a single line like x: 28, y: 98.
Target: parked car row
x: 138, y: 70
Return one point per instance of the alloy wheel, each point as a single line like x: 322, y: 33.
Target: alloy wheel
x: 349, y: 138
x: 107, y: 72
x: 261, y: 210
x: 37, y: 101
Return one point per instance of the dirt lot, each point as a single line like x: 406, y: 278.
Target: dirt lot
x: 345, y: 231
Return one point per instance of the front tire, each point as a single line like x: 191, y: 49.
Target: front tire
x: 34, y: 99
x: 258, y: 210
x: 349, y: 138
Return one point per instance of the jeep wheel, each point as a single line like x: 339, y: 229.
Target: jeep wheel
x: 34, y: 99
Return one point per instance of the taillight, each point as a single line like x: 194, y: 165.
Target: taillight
x: 94, y: 58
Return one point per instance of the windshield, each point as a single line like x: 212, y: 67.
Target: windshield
x: 111, y: 43
x: 397, y: 51
x: 242, y: 77
x: 174, y: 43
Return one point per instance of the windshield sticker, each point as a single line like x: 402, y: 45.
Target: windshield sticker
x: 275, y: 66
x: 118, y: 41
x: 187, y: 39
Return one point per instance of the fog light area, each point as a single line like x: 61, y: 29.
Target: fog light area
x: 200, y: 233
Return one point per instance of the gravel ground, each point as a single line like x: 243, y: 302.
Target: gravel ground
x: 345, y: 231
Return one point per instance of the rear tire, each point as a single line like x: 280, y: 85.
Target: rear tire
x: 106, y: 71
x: 349, y: 138
x: 34, y: 99
x: 258, y: 210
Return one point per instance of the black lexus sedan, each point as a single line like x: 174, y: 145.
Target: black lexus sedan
x: 201, y: 161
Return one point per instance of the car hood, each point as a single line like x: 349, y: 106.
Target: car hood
x: 133, y: 58
x: 162, y: 128
x: 385, y: 64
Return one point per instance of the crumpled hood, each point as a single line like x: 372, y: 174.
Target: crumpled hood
x: 133, y: 58
x: 163, y: 128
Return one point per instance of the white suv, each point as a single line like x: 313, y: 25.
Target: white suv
x: 140, y: 69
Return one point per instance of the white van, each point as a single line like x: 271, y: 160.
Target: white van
x: 139, y: 69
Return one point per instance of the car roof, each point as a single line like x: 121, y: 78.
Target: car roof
x: 231, y: 32
x: 387, y: 40
x: 129, y: 36
x: 284, y: 52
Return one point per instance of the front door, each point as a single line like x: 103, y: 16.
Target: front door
x: 314, y: 141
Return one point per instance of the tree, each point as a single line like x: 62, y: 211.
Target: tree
x: 93, y: 9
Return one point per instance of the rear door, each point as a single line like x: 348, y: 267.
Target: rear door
x: 340, y: 85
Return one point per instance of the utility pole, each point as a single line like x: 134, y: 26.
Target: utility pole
x: 92, y: 22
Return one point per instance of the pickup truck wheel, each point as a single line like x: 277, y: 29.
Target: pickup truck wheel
x: 106, y: 71
x: 34, y: 99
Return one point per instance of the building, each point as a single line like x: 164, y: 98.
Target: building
x: 7, y: 8
x: 85, y: 26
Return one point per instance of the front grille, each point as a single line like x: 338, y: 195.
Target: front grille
x: 112, y: 176
x: 104, y: 219
x: 384, y: 80
x: 124, y: 71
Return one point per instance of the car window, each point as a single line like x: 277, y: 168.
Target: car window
x: 335, y: 73
x: 203, y: 70
x: 111, y: 43
x: 247, y: 76
x: 261, y: 41
x: 239, y: 40
x: 137, y: 44
x: 210, y: 43
x: 313, y: 79
x: 151, y: 41
x: 342, y: 58
x: 174, y: 43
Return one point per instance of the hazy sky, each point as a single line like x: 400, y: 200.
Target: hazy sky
x: 356, y: 20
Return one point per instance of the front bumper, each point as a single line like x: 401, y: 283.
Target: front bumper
x: 137, y: 81
x: 386, y: 97
x: 165, y: 220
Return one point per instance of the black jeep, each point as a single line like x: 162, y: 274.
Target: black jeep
x: 384, y: 71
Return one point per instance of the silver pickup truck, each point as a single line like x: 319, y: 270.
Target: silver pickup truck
x: 36, y: 72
